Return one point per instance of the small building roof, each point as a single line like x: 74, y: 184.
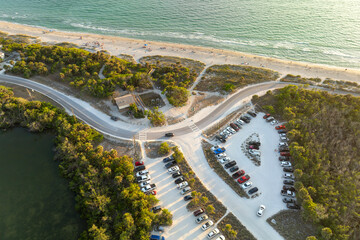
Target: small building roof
x: 124, y: 101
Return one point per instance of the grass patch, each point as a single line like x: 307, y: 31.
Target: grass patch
x: 127, y: 57
x: 228, y: 78
x: 291, y: 225
x: 201, y: 102
x: 152, y: 149
x: 299, y: 79
x: 341, y: 85
x: 242, y: 232
x: 219, y: 169
x: 152, y: 100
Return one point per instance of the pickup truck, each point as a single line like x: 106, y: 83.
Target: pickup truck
x: 287, y: 193
x: 148, y: 187
x: 219, y: 150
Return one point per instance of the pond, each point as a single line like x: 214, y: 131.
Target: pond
x: 35, y: 201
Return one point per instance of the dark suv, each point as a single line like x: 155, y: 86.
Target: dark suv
x: 288, y: 169
x: 169, y: 134
x: 230, y: 164
x: 292, y: 206
x: 253, y: 190
x: 168, y: 159
x: 170, y: 164
x: 284, y: 158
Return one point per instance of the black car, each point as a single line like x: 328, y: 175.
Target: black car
x: 238, y: 174
x: 282, y: 131
x: 168, y: 159
x: 170, y: 164
x: 245, y: 119
x: 290, y: 188
x: 114, y: 118
x: 140, y: 168
x: 188, y: 197
x: 284, y: 158
x: 220, y: 138
x: 255, y: 143
x: 253, y: 190
x: 234, y: 169
x: 156, y: 209
x: 179, y: 180
x: 292, y: 206
x: 177, y: 174
x: 288, y: 169
x: 169, y: 134
x: 251, y: 114
x: 289, y: 182
x: 288, y: 200
x: 230, y: 164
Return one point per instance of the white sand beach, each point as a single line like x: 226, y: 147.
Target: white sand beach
x: 210, y: 56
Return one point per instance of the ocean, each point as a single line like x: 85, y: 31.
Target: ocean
x: 316, y: 31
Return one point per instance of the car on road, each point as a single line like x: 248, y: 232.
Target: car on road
x: 188, y: 197
x: 288, y: 176
x: 280, y: 127
x: 288, y: 169
x: 185, y: 190
x: 256, y: 147
x: 182, y: 185
x: 198, y: 212
x: 282, y: 131
x: 285, y: 154
x: 213, y: 233
x: 143, y: 178
x: 253, y: 190
x: 230, y: 164
x: 176, y: 174
x: 243, y: 179
x: 224, y: 160
x: 288, y: 200
x: 169, y: 134
x: 139, y: 168
x: 173, y: 169
x: 168, y: 159
x: 179, y: 180
x: 148, y: 187
x: 139, y: 163
x: 221, y: 237
x: 201, y: 219
x: 114, y: 118
x: 233, y: 169
x: 156, y: 209
x: 143, y: 184
x: 238, y: 174
x: 292, y: 206
x: 287, y: 193
x: 170, y: 164
x: 288, y: 187
x: 284, y: 139
x: 261, y: 210
x: 285, y: 164
x: 207, y: 225
x: 143, y: 172
x: 221, y: 155
x: 266, y: 116
x: 246, y: 185
x: 289, y: 182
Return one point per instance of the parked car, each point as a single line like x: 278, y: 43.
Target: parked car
x: 176, y: 174
x: 234, y: 126
x: 214, y: 147
x: 292, y: 206
x: 234, y: 168
x: 256, y: 147
x: 202, y: 218
x: 270, y: 119
x: 289, y: 182
x: 288, y: 187
x: 159, y: 229
x: 255, y: 143
x: 143, y: 178
x: 285, y: 154
x: 238, y: 174
x: 287, y: 193
x: 169, y: 134
x: 261, y: 210
x: 284, y: 158
x: 254, y: 152
x: 188, y: 197
x: 143, y: 184
x: 282, y: 134
x: 288, y: 200
x: 156, y: 237
x: 198, y: 212
x: 179, y: 180
x: 173, y: 169
x: 246, y: 185
x: 182, y: 185
x: 207, y: 225
x: 288, y: 169
x: 230, y: 164
x: 285, y: 164
x: 220, y: 138
x: 148, y: 187
x: 221, y: 237
x: 243, y: 179
x: 266, y: 116
x: 170, y: 164
x: 213, y: 233
x: 284, y: 149
x: 231, y: 130
x: 253, y: 190
x: 253, y: 114
x: 219, y: 150
x: 168, y: 159
x: 284, y: 139
x: 273, y: 122
x: 282, y: 131
x: 139, y: 163
x: 288, y: 176
x: 151, y: 192
x: 240, y: 121
x: 143, y: 172
x: 280, y: 127
x: 156, y: 209
x: 224, y: 160
x: 243, y: 118
x: 285, y: 144
x: 185, y: 190
x: 221, y: 155
x: 139, y: 168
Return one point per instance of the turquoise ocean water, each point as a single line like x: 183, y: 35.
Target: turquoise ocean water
x: 317, y: 31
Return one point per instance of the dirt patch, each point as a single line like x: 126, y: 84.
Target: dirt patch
x: 291, y: 225
x: 122, y: 147
x: 152, y: 149
x: 201, y: 102
x: 152, y: 100
x: 219, y: 169
x: 245, y: 148
x: 174, y: 120
x: 242, y: 232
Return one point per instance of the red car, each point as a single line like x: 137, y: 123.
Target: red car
x: 266, y: 116
x: 238, y: 174
x: 243, y: 179
x: 151, y: 192
x: 280, y: 127
x: 285, y: 154
x: 254, y: 147
x: 140, y: 163
x: 198, y: 212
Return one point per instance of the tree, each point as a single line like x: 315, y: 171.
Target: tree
x: 164, y: 148
x: 210, y: 209
x: 228, y: 87
x: 311, y: 238
x: 326, y: 233
x: 228, y: 229
x: 98, y: 233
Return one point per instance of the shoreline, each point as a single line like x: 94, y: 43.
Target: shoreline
x: 210, y: 56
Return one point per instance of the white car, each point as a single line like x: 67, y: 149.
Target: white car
x: 202, y: 218
x: 283, y: 144
x: 143, y: 184
x: 273, y: 122
x: 285, y: 164
x: 254, y: 152
x: 240, y: 121
x: 207, y: 225
x: 146, y: 188
x: 143, y: 172
x: 288, y: 176
x: 224, y: 160
x: 231, y: 130
x: 213, y: 233
x: 260, y: 212
x: 246, y: 185
x: 282, y: 134
x: 284, y: 139
x: 221, y: 238
x: 221, y: 155
x: 215, y: 147
x: 173, y: 169
x: 143, y: 178
x: 182, y: 185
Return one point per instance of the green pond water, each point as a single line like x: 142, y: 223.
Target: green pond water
x: 35, y: 201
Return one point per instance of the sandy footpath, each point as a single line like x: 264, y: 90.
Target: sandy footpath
x: 210, y: 56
